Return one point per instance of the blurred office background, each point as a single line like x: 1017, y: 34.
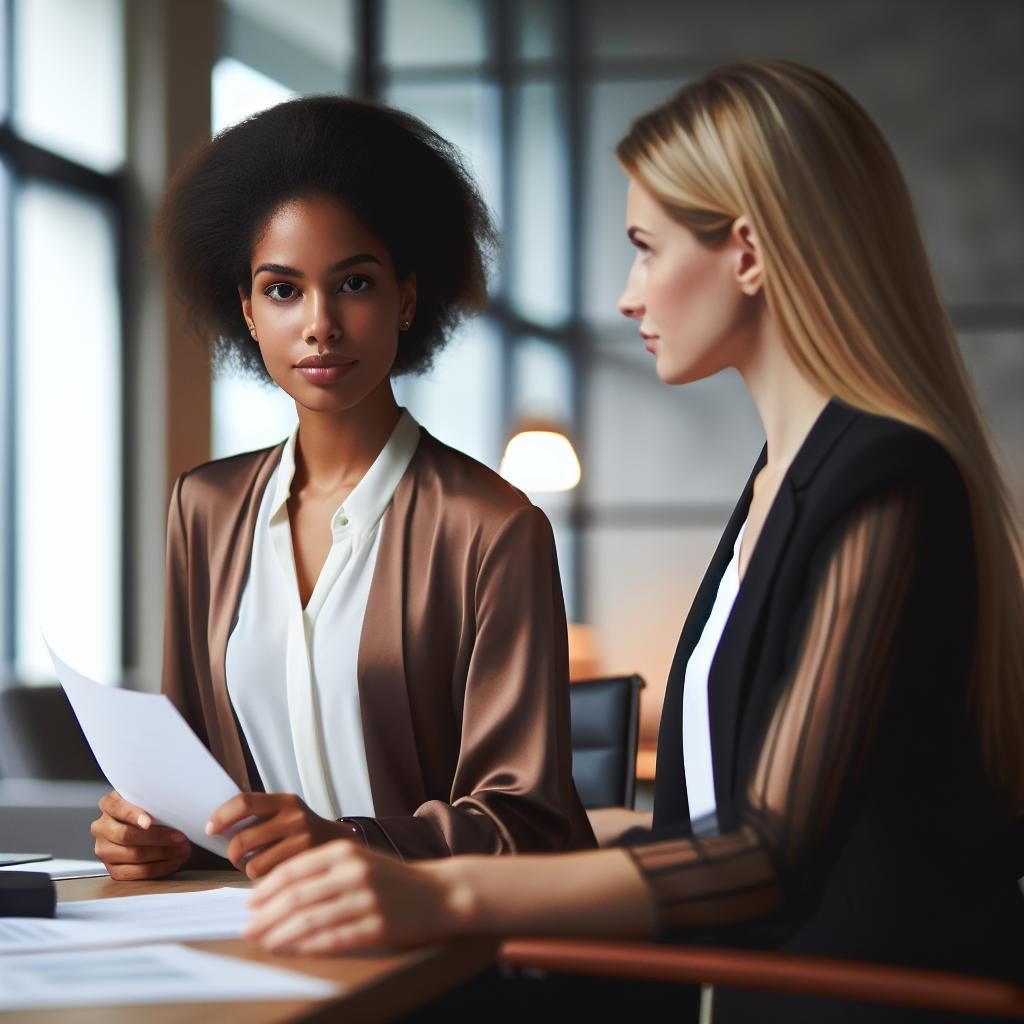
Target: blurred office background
x: 104, y: 397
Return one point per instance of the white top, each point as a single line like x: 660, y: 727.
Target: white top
x: 291, y: 671
x: 697, y: 764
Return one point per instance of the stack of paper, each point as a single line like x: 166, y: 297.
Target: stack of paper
x: 61, y: 867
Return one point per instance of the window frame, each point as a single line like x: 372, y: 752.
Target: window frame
x: 24, y: 163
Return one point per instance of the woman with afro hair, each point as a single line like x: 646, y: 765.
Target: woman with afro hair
x: 365, y: 626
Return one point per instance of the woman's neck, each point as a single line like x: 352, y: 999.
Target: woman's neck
x: 787, y: 402
x: 334, y: 450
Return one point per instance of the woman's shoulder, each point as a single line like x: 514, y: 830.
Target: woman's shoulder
x: 862, y: 453
x: 221, y: 483
x: 460, y: 487
x: 860, y: 458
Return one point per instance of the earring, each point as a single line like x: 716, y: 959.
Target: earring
x: 405, y: 325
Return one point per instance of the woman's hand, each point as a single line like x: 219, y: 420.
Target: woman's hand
x: 131, y: 846
x: 344, y: 896
x: 285, y: 827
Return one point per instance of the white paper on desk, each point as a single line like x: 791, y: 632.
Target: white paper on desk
x: 150, y: 755
x: 146, y: 974
x: 62, y: 867
x: 128, y: 920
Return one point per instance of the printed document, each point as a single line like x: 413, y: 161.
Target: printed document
x: 145, y: 974
x: 128, y: 920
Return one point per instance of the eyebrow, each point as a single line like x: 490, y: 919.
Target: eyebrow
x: 351, y: 261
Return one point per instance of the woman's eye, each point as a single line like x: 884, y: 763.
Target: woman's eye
x: 280, y: 292
x: 356, y: 284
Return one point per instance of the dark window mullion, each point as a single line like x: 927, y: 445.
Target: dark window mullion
x: 29, y: 161
x: 8, y: 460
x: 8, y: 539
x: 573, y: 108
x: 500, y: 16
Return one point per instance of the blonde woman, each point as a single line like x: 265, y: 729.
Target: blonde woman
x: 839, y: 764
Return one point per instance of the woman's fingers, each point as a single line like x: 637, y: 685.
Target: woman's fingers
x: 337, y: 882
x: 368, y: 931
x: 301, y: 924
x: 117, y: 853
x: 255, y: 837
x: 121, y: 810
x: 304, y: 865
x: 274, y: 853
x: 304, y: 893
x: 248, y: 805
x: 106, y: 827
x: 139, y: 872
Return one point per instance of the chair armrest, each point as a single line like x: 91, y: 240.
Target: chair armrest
x: 780, y: 972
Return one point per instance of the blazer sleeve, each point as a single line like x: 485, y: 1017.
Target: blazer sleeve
x: 512, y: 789
x: 816, y: 749
x: 179, y: 681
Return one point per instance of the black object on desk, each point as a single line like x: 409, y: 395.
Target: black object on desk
x: 27, y: 894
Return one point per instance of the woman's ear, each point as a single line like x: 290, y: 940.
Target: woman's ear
x: 246, y: 301
x: 749, y: 268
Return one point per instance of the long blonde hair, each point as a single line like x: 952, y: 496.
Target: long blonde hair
x: 848, y: 282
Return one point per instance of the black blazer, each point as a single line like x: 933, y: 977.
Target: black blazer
x: 915, y: 864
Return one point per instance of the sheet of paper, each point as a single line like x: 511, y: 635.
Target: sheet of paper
x: 61, y: 867
x: 150, y: 755
x: 14, y: 859
x: 128, y: 920
x: 146, y: 974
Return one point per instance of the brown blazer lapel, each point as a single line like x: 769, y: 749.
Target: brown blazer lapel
x: 392, y: 754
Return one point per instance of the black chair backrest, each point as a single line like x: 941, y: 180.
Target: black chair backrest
x: 605, y: 729
x: 40, y: 738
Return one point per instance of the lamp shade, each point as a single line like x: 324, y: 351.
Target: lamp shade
x: 540, y: 460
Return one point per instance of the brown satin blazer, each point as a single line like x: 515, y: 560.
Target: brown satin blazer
x: 463, y: 662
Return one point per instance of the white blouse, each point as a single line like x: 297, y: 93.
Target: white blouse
x: 697, y: 763
x: 291, y: 671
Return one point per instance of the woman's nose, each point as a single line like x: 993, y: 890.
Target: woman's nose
x: 323, y: 325
x: 630, y: 303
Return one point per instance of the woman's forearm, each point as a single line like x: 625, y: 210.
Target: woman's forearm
x: 598, y: 893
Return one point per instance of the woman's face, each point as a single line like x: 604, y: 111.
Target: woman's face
x: 326, y: 306
x: 694, y: 309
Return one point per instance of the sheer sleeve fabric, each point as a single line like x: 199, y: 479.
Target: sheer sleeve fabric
x: 818, y: 741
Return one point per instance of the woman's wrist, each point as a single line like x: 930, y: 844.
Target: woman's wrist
x: 457, y: 879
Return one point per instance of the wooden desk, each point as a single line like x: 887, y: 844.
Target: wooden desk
x: 377, y: 986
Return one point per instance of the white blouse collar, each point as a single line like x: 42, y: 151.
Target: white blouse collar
x: 370, y: 497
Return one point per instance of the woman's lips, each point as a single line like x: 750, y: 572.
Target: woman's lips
x: 649, y: 340
x: 325, y: 371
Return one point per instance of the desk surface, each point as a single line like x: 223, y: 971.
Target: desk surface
x: 377, y: 986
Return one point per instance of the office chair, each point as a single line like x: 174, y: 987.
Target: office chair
x: 768, y: 971
x: 40, y: 738
x: 605, y: 717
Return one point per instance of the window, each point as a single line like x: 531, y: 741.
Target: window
x: 62, y: 520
